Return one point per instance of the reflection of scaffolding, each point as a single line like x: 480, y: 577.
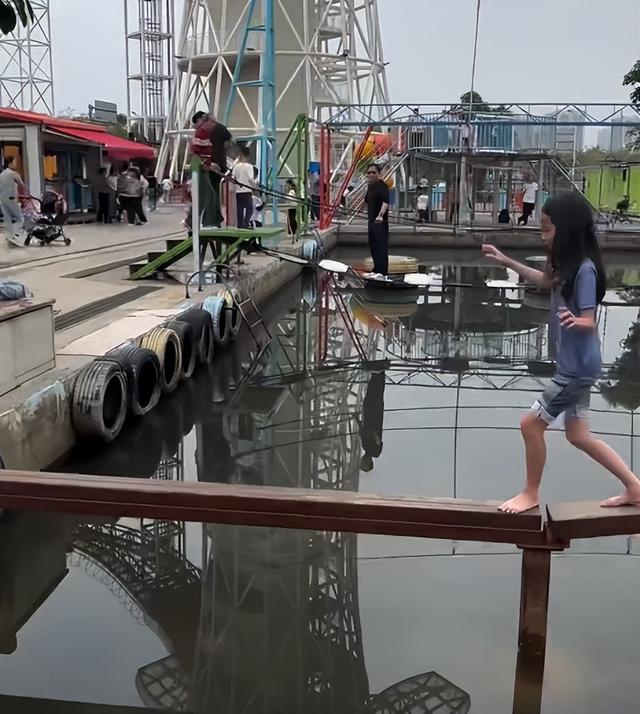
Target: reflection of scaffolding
x: 426, y: 693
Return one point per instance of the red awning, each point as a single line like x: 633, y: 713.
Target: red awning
x: 116, y: 147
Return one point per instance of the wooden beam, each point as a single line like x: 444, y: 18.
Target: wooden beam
x: 587, y: 519
x: 301, y: 509
x: 532, y: 632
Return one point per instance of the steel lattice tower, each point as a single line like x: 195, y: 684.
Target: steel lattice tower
x: 328, y: 53
x: 26, y: 70
x: 150, y: 32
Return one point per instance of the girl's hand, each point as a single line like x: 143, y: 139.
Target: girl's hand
x: 570, y: 321
x: 491, y: 252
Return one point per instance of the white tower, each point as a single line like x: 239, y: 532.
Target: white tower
x: 149, y: 32
x: 26, y: 70
x: 328, y: 54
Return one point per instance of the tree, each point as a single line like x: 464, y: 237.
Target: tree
x: 473, y: 101
x: 632, y: 79
x: 13, y: 10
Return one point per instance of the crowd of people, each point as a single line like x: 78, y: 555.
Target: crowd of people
x: 122, y: 194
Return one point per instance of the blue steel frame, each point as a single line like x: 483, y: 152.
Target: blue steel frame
x: 265, y: 138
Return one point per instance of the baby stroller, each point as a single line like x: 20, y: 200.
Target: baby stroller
x: 44, y: 219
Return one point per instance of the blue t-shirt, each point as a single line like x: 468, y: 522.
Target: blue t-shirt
x: 577, y: 351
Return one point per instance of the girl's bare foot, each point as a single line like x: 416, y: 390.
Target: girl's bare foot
x: 631, y: 497
x: 521, y: 503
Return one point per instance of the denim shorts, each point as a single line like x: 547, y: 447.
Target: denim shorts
x: 570, y: 396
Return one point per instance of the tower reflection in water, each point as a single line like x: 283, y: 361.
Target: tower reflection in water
x: 263, y: 619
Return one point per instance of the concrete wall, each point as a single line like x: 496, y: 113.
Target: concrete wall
x: 38, y: 430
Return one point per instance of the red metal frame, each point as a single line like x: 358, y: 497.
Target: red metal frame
x: 325, y: 177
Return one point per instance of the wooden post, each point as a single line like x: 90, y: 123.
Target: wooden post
x: 532, y: 632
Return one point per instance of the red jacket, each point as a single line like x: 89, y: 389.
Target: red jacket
x: 201, y: 145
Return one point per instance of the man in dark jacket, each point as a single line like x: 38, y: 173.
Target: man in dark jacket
x: 377, y: 200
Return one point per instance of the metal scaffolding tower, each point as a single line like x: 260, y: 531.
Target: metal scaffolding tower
x: 149, y: 31
x: 26, y: 70
x: 327, y: 53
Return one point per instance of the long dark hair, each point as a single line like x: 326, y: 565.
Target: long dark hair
x: 575, y: 241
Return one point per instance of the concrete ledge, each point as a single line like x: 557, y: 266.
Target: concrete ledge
x: 35, y: 426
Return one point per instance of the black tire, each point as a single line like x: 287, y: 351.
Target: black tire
x: 216, y: 306
x: 142, y: 368
x: 188, y: 344
x: 200, y: 321
x: 166, y: 344
x: 99, y: 401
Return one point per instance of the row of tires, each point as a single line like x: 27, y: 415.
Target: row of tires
x: 130, y: 380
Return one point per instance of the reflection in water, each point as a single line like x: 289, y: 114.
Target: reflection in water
x: 372, y: 421
x: 271, y: 620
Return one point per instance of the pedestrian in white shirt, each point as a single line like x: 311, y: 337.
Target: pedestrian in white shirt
x: 528, y: 201
x: 10, y: 185
x: 422, y: 205
x: 242, y: 174
x: 167, y: 187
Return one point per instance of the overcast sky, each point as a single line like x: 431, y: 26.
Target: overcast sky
x: 536, y: 50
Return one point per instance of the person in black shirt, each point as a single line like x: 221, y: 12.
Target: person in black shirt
x: 377, y: 200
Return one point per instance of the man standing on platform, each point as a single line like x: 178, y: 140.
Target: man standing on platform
x: 377, y: 200
x: 209, y: 147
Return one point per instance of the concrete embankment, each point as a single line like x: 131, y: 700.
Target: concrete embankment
x: 36, y: 428
x: 622, y: 239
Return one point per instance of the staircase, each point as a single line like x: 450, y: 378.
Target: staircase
x: 157, y: 261
x: 564, y: 172
x: 356, y: 197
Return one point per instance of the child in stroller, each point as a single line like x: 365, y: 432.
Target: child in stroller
x: 44, y: 219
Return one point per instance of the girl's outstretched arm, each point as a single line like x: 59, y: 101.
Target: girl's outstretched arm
x: 531, y: 275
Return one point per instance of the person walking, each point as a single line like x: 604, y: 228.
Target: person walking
x: 422, y: 206
x: 152, y: 190
x: 131, y: 197
x: 167, y: 187
x: 103, y: 197
x: 121, y: 187
x: 314, y: 186
x: 576, y: 277
x: 528, y: 201
x: 112, y: 182
x: 10, y: 185
x: 292, y: 208
x: 242, y: 173
x: 377, y: 200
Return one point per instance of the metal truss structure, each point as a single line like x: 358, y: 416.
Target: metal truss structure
x: 149, y: 34
x: 327, y: 53
x: 514, y: 113
x: 26, y: 69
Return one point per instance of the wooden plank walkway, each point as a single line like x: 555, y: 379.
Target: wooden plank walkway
x: 587, y: 519
x: 272, y: 507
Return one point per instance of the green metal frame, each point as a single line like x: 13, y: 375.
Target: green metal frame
x: 297, y: 144
x: 236, y: 240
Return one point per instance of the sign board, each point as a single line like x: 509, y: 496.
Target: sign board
x: 104, y: 111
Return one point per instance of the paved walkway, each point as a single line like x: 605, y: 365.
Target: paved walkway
x: 91, y: 237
